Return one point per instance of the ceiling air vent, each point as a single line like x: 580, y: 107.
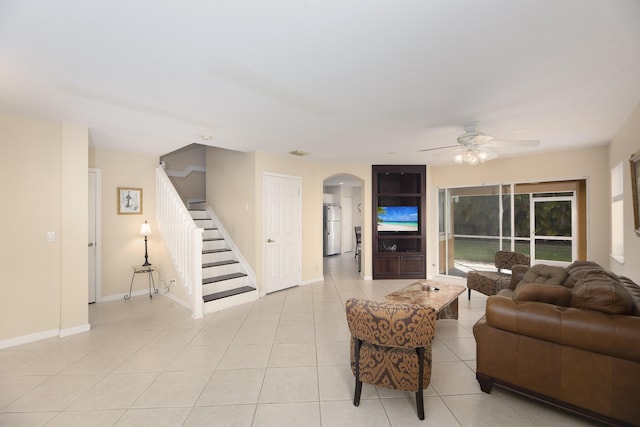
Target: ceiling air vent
x: 299, y: 153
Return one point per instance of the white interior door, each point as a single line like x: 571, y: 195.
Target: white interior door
x: 282, y: 232
x: 93, y: 279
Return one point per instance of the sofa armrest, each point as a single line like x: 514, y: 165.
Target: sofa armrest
x: 517, y: 273
x: 613, y: 335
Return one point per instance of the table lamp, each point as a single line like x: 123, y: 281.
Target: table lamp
x: 145, y: 230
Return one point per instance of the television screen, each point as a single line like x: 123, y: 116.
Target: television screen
x: 398, y: 218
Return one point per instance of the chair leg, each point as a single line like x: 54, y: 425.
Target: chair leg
x: 419, y: 398
x: 420, y: 404
x: 358, y: 390
x: 357, y: 393
x: 469, y: 294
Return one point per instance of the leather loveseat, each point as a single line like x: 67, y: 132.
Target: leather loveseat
x: 566, y: 336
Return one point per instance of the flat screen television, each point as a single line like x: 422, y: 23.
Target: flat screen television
x: 398, y: 218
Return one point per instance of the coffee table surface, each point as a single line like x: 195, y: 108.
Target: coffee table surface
x: 424, y: 293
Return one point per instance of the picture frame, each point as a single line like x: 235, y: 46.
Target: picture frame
x: 129, y: 201
x: 634, y: 162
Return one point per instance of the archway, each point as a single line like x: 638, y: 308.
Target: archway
x: 344, y: 191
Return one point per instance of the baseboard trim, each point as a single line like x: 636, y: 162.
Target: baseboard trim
x: 25, y: 339
x: 313, y: 280
x: 177, y: 300
x: 116, y: 297
x: 75, y: 330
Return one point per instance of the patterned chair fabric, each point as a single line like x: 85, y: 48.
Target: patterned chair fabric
x: 391, y: 346
x: 491, y: 282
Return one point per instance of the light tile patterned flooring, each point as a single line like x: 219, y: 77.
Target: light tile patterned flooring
x: 281, y: 361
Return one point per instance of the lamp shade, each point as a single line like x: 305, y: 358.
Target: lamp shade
x: 145, y: 229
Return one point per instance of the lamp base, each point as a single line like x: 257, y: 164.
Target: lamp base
x: 146, y: 254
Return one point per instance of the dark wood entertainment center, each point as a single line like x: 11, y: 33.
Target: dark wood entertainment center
x: 401, y: 253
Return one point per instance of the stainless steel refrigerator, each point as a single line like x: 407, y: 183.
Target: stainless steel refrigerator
x: 331, y: 228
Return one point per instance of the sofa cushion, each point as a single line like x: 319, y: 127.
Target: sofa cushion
x: 550, y: 294
x: 544, y: 274
x: 601, y: 291
x: 634, y: 291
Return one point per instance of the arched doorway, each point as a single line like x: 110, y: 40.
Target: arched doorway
x: 344, y: 192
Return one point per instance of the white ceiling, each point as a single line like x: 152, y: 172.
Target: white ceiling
x: 346, y: 80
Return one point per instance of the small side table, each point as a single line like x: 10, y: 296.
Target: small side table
x: 149, y: 269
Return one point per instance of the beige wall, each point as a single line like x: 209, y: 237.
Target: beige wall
x: 74, y: 226
x: 586, y: 163
x: 313, y: 176
x: 122, y: 247
x: 49, y: 162
x: 235, y: 182
x: 231, y: 195
x: 625, y: 143
x: 192, y: 186
x: 44, y: 189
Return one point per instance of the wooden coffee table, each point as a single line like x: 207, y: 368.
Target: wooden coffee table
x: 443, y: 297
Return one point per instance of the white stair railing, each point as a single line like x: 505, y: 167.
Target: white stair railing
x: 182, y: 238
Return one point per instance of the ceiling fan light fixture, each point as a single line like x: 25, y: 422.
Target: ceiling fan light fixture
x: 471, y: 156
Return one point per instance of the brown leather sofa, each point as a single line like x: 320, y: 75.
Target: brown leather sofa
x: 569, y: 337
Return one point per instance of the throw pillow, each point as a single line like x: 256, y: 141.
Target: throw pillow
x: 579, y: 268
x: 601, y: 291
x: 550, y: 294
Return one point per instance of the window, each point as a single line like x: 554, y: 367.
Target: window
x: 544, y: 220
x: 617, y: 213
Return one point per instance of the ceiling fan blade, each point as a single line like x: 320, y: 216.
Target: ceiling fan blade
x: 439, y: 148
x: 514, y: 143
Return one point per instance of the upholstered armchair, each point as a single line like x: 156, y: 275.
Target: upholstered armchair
x: 491, y: 282
x: 391, y: 346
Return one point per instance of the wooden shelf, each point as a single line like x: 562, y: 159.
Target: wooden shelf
x: 399, y: 254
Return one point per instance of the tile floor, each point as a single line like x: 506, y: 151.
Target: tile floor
x: 281, y: 361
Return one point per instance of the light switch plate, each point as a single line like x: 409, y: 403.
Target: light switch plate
x: 51, y: 236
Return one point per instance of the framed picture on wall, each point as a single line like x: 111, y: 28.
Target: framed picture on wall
x: 634, y: 161
x: 129, y: 201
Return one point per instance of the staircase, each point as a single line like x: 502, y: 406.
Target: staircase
x: 227, y: 280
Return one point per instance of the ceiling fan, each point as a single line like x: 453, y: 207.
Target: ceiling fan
x: 472, y: 145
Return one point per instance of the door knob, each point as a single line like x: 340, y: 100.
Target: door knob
x: 90, y: 244
x: 270, y: 241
